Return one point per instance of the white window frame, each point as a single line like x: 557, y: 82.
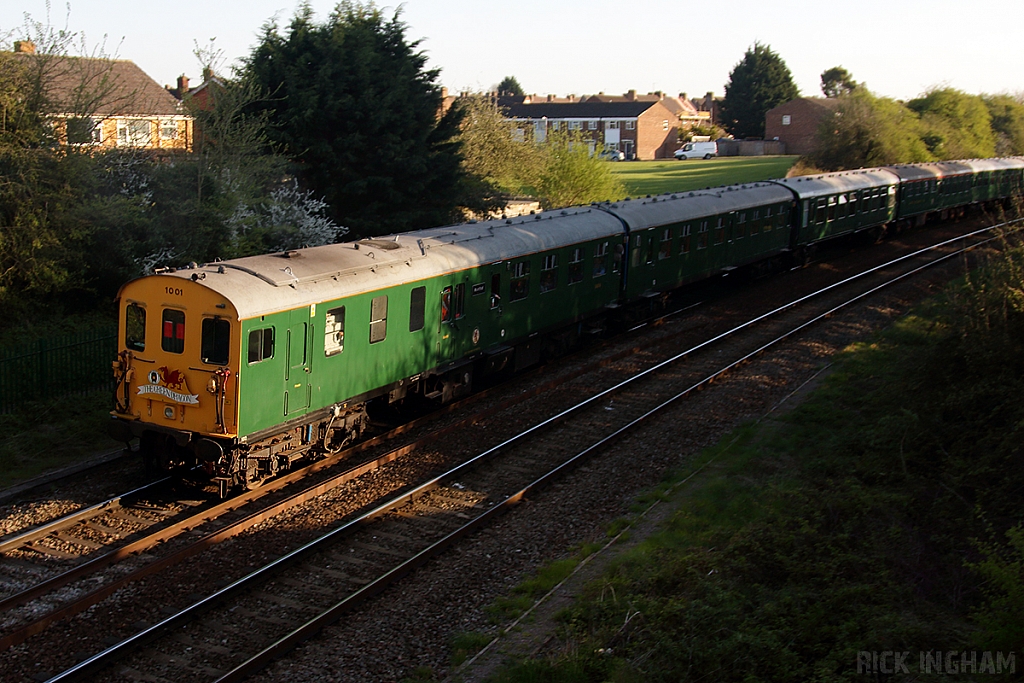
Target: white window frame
x: 125, y: 138
x: 168, y: 125
x: 630, y: 125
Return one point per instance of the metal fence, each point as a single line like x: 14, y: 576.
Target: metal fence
x: 60, y: 366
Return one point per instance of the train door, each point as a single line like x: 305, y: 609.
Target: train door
x: 453, y: 309
x: 298, y: 336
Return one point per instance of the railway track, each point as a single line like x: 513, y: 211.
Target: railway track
x: 362, y: 555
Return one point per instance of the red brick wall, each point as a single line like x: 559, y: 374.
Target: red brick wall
x: 657, y: 133
x: 805, y: 115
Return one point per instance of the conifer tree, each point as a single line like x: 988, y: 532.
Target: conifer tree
x: 759, y: 82
x: 352, y: 105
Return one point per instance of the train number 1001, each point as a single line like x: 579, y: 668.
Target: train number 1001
x: 173, y: 290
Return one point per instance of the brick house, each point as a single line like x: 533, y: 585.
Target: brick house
x: 643, y: 130
x: 796, y: 122
x: 106, y: 103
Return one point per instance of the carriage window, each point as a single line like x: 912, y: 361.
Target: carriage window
x: 549, y: 273
x: 334, y: 331
x: 495, y: 290
x: 685, y: 248
x: 173, y: 331
x: 719, y: 231
x: 520, y: 286
x: 135, y: 327
x: 417, y: 308
x: 702, y: 235
x: 576, y: 266
x: 741, y: 226
x: 601, y: 259
x: 378, y: 319
x: 446, y: 305
x: 215, y: 344
x: 459, y: 301
x: 665, y: 249
x: 261, y: 345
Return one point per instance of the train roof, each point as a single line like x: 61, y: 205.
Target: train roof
x: 807, y: 187
x: 683, y: 206
x: 927, y: 171
x: 271, y: 283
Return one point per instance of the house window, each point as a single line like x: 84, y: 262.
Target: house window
x: 575, y: 125
x: 664, y: 124
x: 83, y: 130
x: 591, y: 125
x: 520, y: 285
x: 630, y: 125
x: 576, y: 266
x: 173, y: 340
x: 334, y: 332
x: 261, y: 345
x: 417, y: 306
x: 378, y: 319
x: 555, y: 125
x: 786, y: 119
x: 549, y: 273
x: 168, y: 129
x: 135, y: 327
x: 612, y: 125
x: 134, y: 132
x: 216, y: 339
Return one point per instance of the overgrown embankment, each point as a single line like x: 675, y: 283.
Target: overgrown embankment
x: 882, y: 516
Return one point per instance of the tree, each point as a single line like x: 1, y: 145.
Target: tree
x: 956, y: 125
x: 573, y: 175
x: 837, y: 81
x: 1007, y: 115
x: 760, y: 81
x: 491, y: 151
x: 510, y: 86
x: 865, y: 131
x: 353, y: 108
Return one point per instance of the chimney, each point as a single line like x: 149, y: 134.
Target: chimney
x: 551, y: 98
x: 182, y: 85
x: 682, y: 96
x: 631, y: 96
x: 25, y: 47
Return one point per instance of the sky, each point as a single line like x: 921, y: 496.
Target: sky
x: 898, y: 48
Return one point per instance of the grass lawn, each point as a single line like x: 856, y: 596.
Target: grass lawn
x: 658, y: 177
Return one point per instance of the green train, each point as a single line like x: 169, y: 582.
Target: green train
x: 246, y: 366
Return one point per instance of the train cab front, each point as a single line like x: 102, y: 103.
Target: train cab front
x: 176, y: 373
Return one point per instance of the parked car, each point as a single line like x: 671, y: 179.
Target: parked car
x: 613, y: 155
x: 697, y: 150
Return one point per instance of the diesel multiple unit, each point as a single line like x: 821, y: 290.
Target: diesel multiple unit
x: 245, y: 366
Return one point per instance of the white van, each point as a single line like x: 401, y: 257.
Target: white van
x: 697, y: 150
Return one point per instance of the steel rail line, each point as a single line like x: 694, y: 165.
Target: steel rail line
x: 107, y: 656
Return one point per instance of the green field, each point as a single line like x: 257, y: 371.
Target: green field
x: 658, y: 177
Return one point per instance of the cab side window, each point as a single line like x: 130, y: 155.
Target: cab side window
x: 216, y: 340
x: 135, y: 327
